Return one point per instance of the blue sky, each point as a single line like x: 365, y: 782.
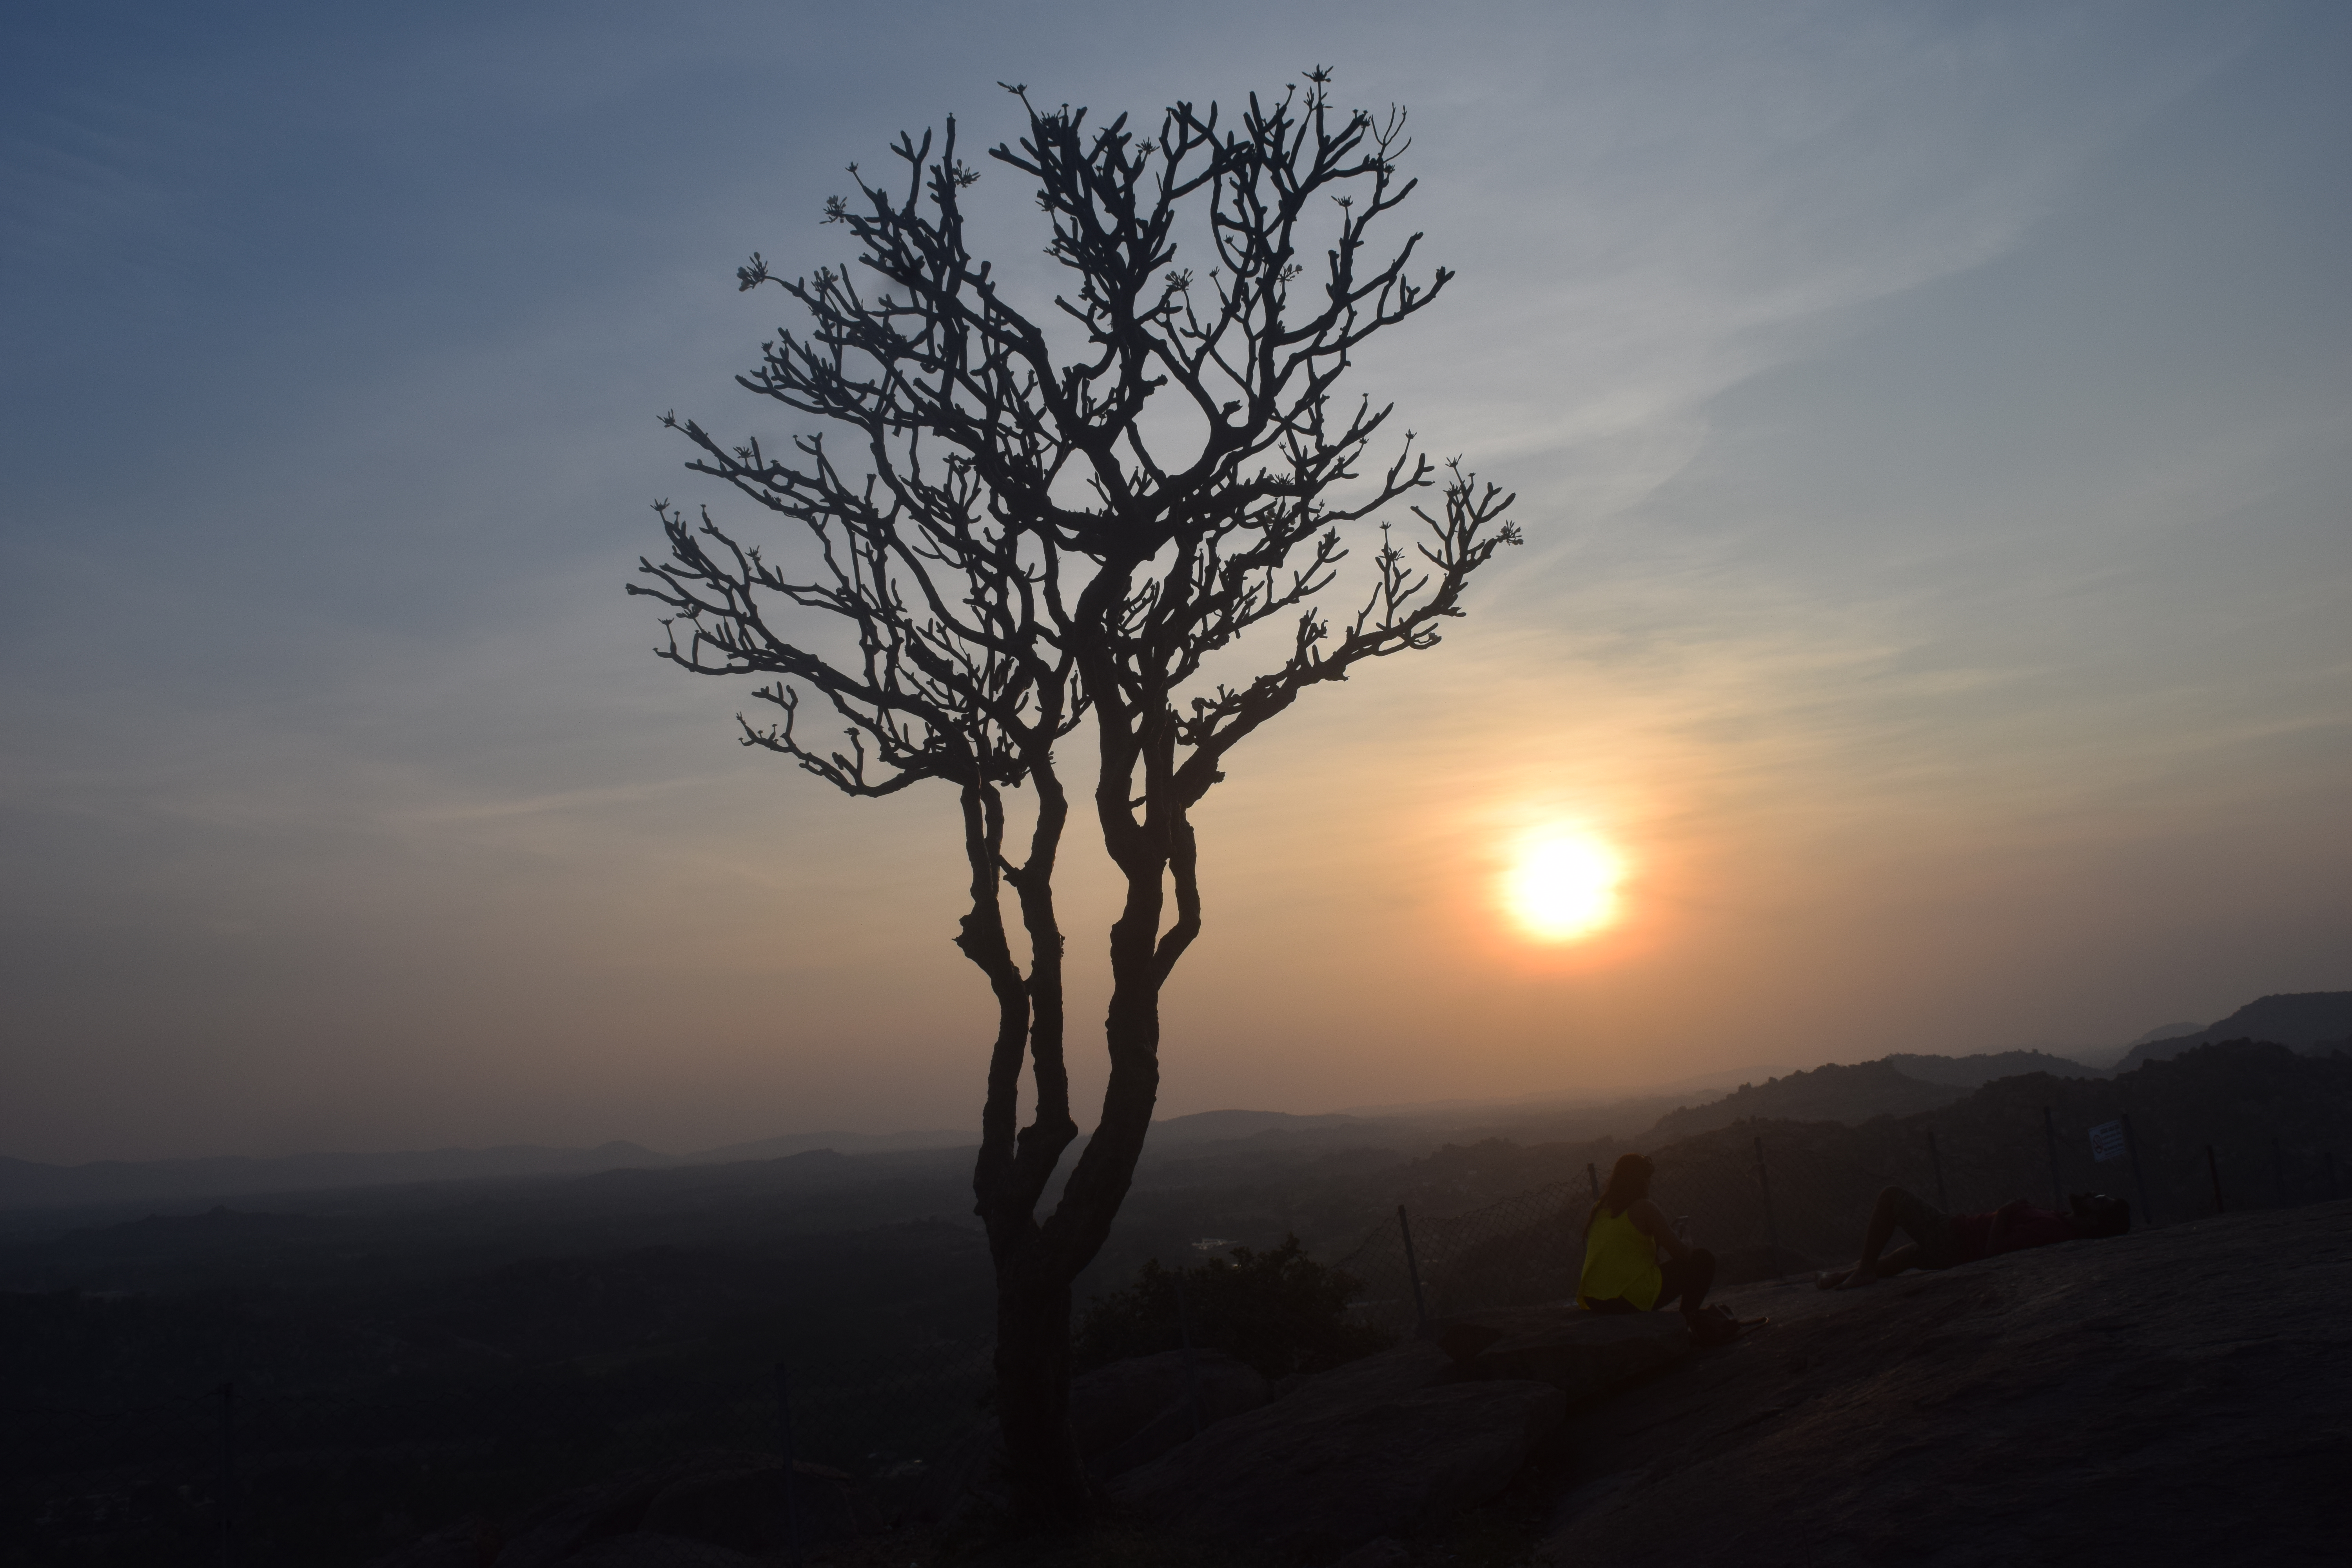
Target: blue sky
x: 1931, y: 424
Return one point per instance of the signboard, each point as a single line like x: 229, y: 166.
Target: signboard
x: 2107, y: 1142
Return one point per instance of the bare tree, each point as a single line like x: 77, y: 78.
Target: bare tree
x: 1032, y: 540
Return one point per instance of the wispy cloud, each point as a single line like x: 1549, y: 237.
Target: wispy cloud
x: 1929, y: 422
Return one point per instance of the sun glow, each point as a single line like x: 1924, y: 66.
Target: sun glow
x: 1562, y: 884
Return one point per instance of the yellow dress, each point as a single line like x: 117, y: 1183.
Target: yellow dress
x: 1619, y: 1260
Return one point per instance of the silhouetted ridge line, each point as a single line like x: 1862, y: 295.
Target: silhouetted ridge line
x: 1975, y: 1071
x: 25, y: 1183
x: 1830, y: 1093
x: 2307, y: 1021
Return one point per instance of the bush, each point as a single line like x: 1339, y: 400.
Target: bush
x: 1279, y: 1310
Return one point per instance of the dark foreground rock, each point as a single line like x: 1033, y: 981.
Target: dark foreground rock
x: 706, y: 1511
x: 1131, y: 1411
x: 1401, y: 1369
x: 2181, y: 1395
x: 1384, y: 1446
x: 1576, y: 1352
x: 1121, y: 1415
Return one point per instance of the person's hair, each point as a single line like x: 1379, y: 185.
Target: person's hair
x: 2103, y: 1216
x: 1624, y: 1177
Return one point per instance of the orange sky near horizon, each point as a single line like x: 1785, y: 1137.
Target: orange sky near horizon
x: 1933, y: 433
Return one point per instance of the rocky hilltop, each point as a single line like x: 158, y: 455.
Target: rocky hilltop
x: 2308, y: 1021
x: 2177, y: 1395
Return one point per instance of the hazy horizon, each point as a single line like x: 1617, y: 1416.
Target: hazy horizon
x: 1716, y: 1083
x: 1932, y: 426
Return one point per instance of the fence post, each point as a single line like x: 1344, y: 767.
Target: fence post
x: 2139, y: 1173
x: 1192, y: 1368
x: 792, y: 1476
x: 2278, y: 1175
x: 2213, y: 1169
x: 1413, y: 1268
x: 228, y: 1474
x: 2049, y: 1137
x: 1935, y: 1159
x: 1772, y: 1225
x: 1593, y: 1176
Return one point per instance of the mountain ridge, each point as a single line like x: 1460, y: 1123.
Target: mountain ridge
x: 1899, y: 1084
x: 1984, y: 1067
x: 2299, y: 1020
x: 27, y: 1184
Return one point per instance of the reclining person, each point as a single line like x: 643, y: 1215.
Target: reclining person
x: 1622, y: 1237
x: 1939, y: 1241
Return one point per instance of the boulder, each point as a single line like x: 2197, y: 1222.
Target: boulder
x: 1131, y: 1411
x: 1400, y: 1369
x: 1579, y: 1353
x: 1121, y: 1415
x: 1383, y: 1447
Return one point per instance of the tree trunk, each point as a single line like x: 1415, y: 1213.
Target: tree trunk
x: 1037, y: 1264
x: 1033, y: 1388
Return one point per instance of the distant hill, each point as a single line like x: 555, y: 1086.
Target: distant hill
x: 787, y: 1143
x: 2110, y: 1058
x: 1974, y: 1072
x: 25, y: 1183
x: 1217, y: 1126
x: 1833, y: 1094
x: 2298, y: 1020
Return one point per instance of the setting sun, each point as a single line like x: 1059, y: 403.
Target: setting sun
x: 1563, y: 885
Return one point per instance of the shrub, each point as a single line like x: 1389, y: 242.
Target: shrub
x: 1279, y: 1310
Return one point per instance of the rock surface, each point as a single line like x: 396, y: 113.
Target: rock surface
x: 1579, y: 1353
x: 1121, y: 1415
x: 1401, y: 1369
x: 2180, y: 1395
x: 1131, y: 1411
x: 1380, y: 1447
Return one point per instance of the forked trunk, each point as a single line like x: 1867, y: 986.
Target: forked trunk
x: 1036, y: 1269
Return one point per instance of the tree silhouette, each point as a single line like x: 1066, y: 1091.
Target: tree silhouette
x: 1027, y: 542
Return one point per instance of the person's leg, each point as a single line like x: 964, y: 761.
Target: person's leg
x: 1895, y: 1207
x: 1610, y: 1306
x: 1687, y: 1278
x: 1894, y: 1260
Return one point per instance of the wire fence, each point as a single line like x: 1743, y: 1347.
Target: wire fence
x: 1791, y: 1199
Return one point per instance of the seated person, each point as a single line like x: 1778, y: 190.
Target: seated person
x: 1622, y: 1237
x: 1939, y: 1241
